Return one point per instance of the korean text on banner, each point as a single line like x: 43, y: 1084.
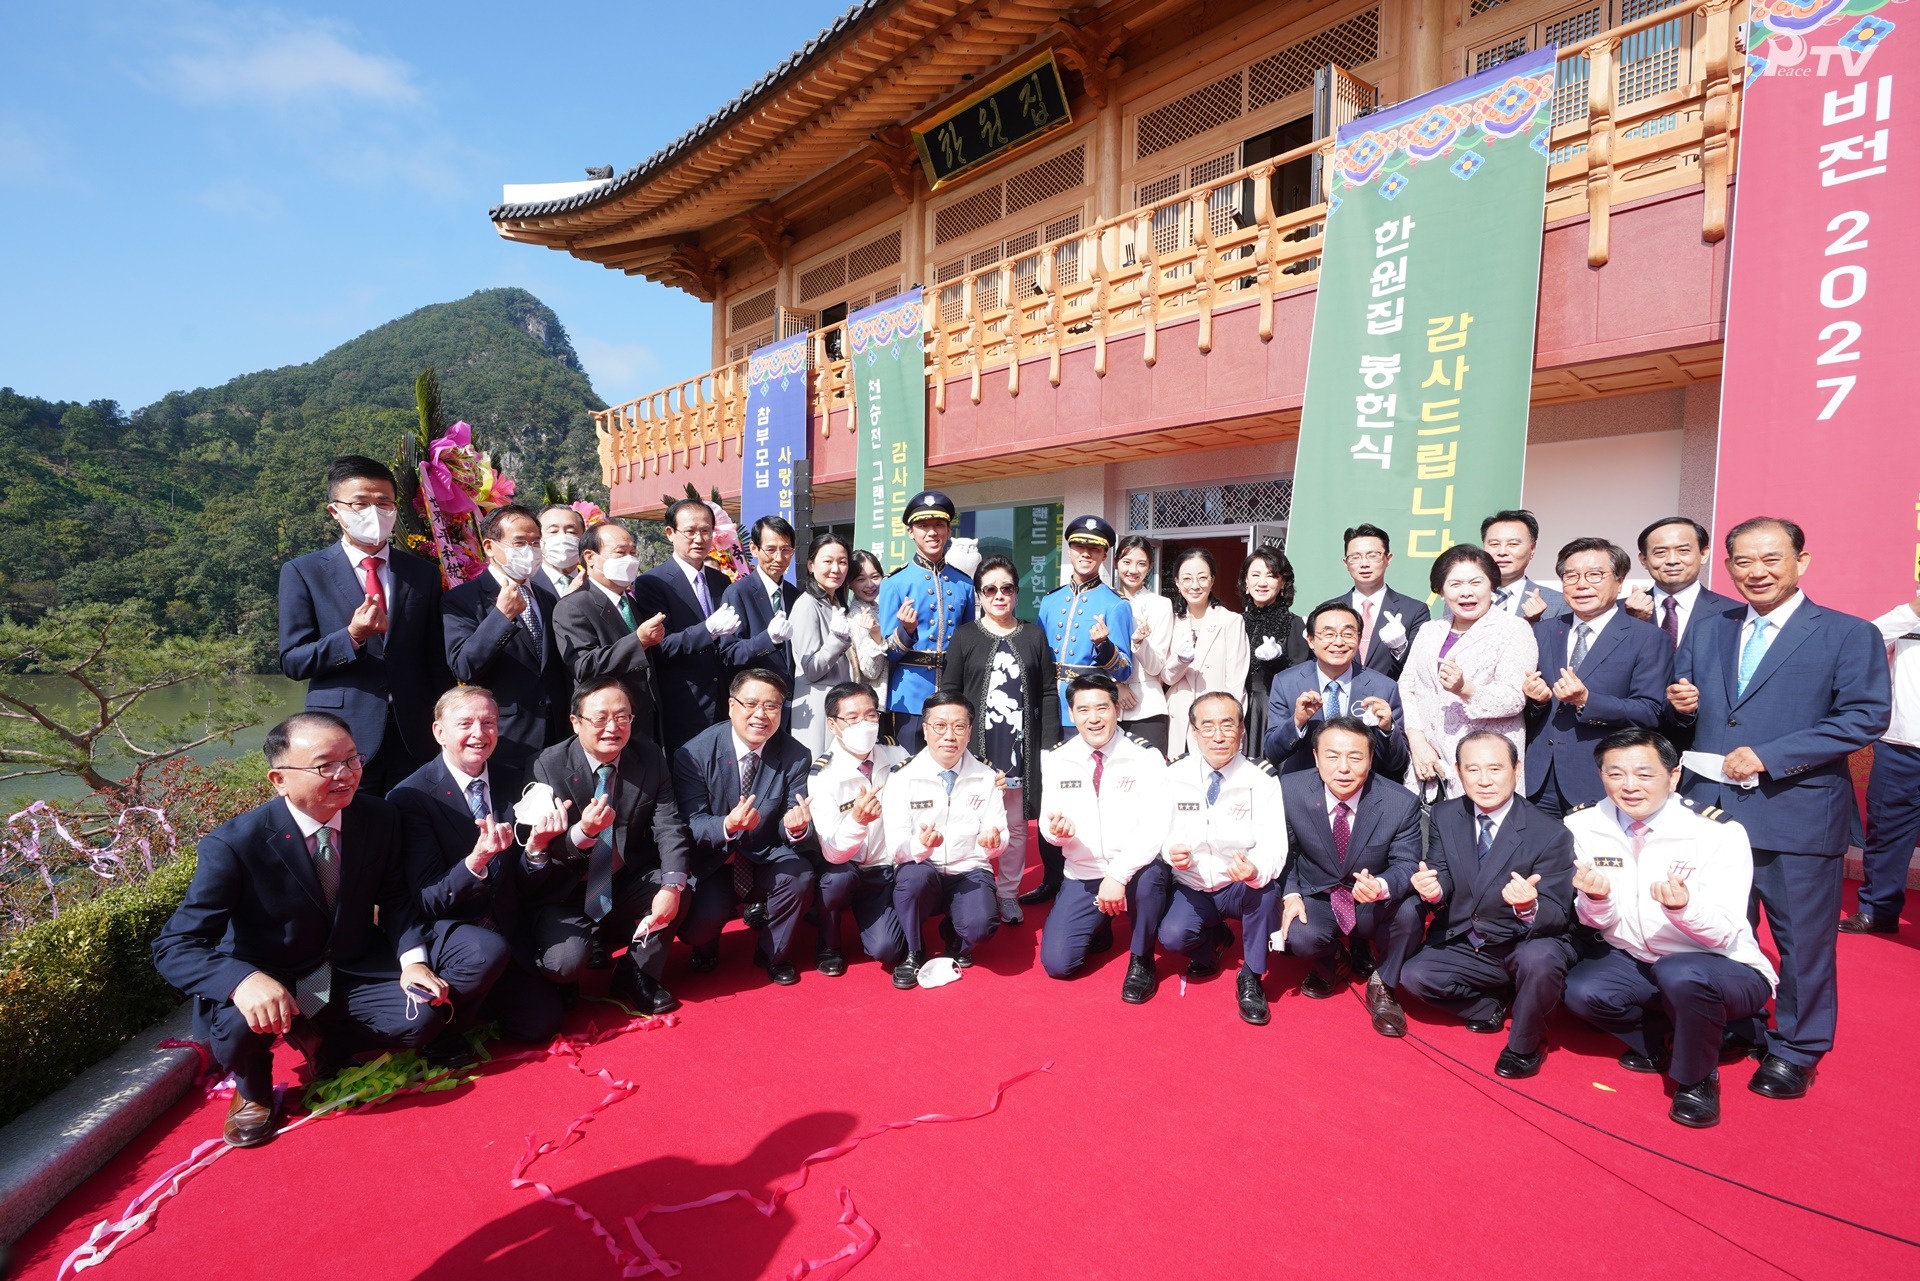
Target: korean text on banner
x: 1037, y: 531
x: 890, y: 408
x: 1814, y: 425
x: 1422, y: 362
x: 776, y: 432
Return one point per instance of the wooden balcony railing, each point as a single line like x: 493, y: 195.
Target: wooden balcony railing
x: 1217, y: 245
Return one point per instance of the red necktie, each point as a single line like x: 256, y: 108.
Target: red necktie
x: 1099, y: 768
x: 1341, y: 896
x: 1670, y: 622
x: 375, y: 591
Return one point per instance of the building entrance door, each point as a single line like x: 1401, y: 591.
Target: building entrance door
x: 1229, y: 552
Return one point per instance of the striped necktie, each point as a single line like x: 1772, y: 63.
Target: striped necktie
x: 1755, y: 650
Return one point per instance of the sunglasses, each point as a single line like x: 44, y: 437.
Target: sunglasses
x: 998, y: 589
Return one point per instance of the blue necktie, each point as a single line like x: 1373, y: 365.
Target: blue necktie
x: 1485, y: 842
x: 1333, y: 699
x: 949, y: 777
x: 604, y: 861
x: 477, y: 799
x: 1755, y: 650
x: 1213, y: 787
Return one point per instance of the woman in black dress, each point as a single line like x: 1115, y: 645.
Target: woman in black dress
x: 1005, y: 668
x: 1276, y: 639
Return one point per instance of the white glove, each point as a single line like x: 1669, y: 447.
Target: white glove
x: 724, y: 621
x: 1187, y: 651
x: 1268, y: 651
x: 964, y: 555
x: 1391, y: 632
x: 840, y: 625
x: 780, y: 629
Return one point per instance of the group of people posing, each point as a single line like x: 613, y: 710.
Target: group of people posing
x: 1484, y: 810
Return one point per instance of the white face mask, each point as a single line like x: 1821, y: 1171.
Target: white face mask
x: 370, y: 526
x: 562, y: 551
x: 860, y: 737
x: 521, y: 562
x: 620, y: 570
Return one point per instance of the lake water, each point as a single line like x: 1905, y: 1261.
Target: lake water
x: 188, y: 702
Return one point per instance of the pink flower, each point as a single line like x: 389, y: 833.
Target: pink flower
x: 449, y: 469
x: 590, y: 513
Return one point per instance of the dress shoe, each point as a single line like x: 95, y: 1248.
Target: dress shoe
x: 1868, y: 923
x: 1252, y: 998
x: 829, y: 962
x: 961, y: 959
x: 1734, y: 1047
x: 1388, y: 1018
x: 1516, y: 1066
x: 1697, y: 1105
x: 449, y: 1053
x: 1102, y: 941
x: 249, y: 1124
x: 1319, y: 984
x: 1633, y: 1061
x: 655, y: 999
x: 1143, y: 980
x: 1360, y: 959
x: 1778, y: 1079
x: 1010, y: 910
x: 705, y: 960
x: 785, y: 973
x: 1041, y: 893
x: 323, y: 1060
x: 597, y: 958
x: 907, y: 973
x: 755, y: 914
x: 1489, y: 1026
x: 1207, y: 964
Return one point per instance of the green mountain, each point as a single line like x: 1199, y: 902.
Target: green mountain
x: 193, y: 503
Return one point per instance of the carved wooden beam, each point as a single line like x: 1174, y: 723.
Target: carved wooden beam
x: 1090, y: 51
x: 690, y: 268
x: 895, y: 154
x: 766, y: 227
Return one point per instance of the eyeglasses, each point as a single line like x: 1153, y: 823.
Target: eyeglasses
x: 770, y: 706
x: 1217, y: 729
x: 998, y: 589
x: 859, y: 718
x: 946, y: 729
x: 1594, y: 576
x: 1323, y: 634
x: 333, y: 769
x: 1364, y: 558
x: 361, y: 504
x: 619, y: 720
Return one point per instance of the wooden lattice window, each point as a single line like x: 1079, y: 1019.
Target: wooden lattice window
x: 823, y: 279
x: 749, y: 312
x: 1347, y: 44
x: 1207, y: 107
x: 1047, y: 179
x: 963, y: 217
x: 873, y: 256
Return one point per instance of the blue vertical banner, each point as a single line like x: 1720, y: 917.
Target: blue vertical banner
x: 776, y: 434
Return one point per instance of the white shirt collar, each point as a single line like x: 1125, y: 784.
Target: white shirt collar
x: 1321, y: 680
x: 1686, y: 596
x: 740, y: 747
x: 1376, y: 596
x: 308, y: 824
x: 1653, y: 820
x: 771, y: 587
x: 693, y: 574
x: 608, y: 592
x: 1498, y: 816
x: 1781, y: 613
x: 1594, y: 625
x: 1334, y: 802
x: 355, y: 555
x: 462, y: 779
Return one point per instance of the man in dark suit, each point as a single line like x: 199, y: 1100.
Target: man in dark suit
x: 360, y: 623
x: 1674, y: 551
x: 1498, y: 877
x: 1354, y: 841
x: 1784, y: 691
x: 276, y: 933
x: 1610, y: 672
x: 1388, y: 619
x: 689, y: 667
x: 765, y: 628
x: 599, y: 628
x: 609, y: 860
x: 1511, y: 537
x: 499, y: 630
x: 1331, y: 686
x: 463, y: 862
x: 743, y: 787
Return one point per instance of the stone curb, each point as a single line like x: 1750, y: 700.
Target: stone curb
x: 53, y: 1147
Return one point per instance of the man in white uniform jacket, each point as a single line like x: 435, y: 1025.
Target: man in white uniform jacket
x: 857, y: 866
x: 1667, y: 887
x: 1106, y: 806
x: 944, y: 820
x: 1227, y: 847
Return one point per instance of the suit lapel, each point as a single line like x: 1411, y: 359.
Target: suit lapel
x: 1606, y: 642
x: 1366, y: 816
x: 1493, y: 868
x: 1791, y: 637
x: 291, y: 847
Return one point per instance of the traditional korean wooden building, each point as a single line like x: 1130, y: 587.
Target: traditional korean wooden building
x: 1119, y: 306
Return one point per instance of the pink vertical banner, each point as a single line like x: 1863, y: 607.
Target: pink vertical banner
x: 1816, y: 423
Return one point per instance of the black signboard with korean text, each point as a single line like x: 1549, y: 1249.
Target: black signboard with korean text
x: 1005, y: 116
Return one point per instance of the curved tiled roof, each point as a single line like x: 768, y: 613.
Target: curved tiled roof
x: 641, y: 173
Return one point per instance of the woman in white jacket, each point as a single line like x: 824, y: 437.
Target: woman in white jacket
x: 822, y: 639
x: 1143, y: 699
x: 869, y: 644
x: 1209, y: 651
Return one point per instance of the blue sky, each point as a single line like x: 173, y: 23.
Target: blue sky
x: 193, y: 191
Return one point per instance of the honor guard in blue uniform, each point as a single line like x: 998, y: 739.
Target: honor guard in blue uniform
x: 1089, y: 625
x: 925, y: 602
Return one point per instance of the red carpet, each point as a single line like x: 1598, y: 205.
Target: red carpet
x: 1167, y: 1141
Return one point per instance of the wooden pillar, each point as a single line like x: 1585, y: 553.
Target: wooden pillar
x: 1423, y: 65
x: 1107, y: 162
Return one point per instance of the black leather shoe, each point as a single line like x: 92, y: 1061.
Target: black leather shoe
x: 1143, y: 980
x: 1360, y: 958
x: 597, y: 958
x: 1635, y: 1062
x: 907, y: 973
x: 963, y: 960
x: 755, y: 914
x: 1252, y: 998
x: 1388, y: 1018
x: 324, y: 1059
x: 1734, y: 1047
x: 1102, y: 941
x: 649, y: 997
x: 705, y: 960
x: 1487, y: 1027
x: 1697, y: 1105
x: 248, y: 1125
x: 1041, y: 893
x: 784, y: 973
x: 1778, y: 1079
x: 1868, y: 923
x: 1206, y: 965
x: 449, y: 1052
x: 829, y: 962
x: 1518, y: 1067
x: 1319, y: 984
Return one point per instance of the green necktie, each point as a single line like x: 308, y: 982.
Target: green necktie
x: 626, y: 615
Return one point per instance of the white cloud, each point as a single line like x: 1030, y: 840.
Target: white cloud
x: 280, y: 62
x: 238, y: 198
x: 619, y: 371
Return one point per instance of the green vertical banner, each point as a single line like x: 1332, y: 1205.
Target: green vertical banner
x: 890, y: 409
x: 1422, y: 361
x: 1036, y: 553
